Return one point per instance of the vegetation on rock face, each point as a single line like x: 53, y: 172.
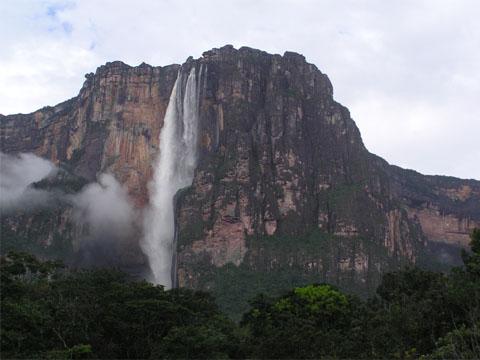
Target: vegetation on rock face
x: 37, y: 232
x: 415, y: 313
x: 275, y: 264
x: 52, y: 312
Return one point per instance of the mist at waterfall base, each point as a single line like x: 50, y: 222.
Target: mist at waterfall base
x: 173, y: 170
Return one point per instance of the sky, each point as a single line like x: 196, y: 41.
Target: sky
x: 408, y: 70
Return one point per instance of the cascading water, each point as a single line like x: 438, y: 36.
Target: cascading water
x: 174, y: 170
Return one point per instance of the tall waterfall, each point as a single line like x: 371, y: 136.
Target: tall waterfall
x: 174, y: 170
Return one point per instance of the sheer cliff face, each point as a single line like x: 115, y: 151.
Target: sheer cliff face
x: 113, y: 125
x: 284, y: 188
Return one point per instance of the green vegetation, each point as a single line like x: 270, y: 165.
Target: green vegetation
x: 51, y: 313
x: 56, y: 313
x: 415, y: 314
x: 36, y: 233
x: 275, y: 264
x: 64, y: 181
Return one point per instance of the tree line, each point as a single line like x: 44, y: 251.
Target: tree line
x: 52, y: 312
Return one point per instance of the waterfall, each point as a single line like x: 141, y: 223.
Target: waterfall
x: 173, y: 170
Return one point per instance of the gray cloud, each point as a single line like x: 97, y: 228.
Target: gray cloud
x: 17, y: 174
x: 408, y: 70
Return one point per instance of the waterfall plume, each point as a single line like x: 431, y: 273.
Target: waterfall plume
x: 173, y: 170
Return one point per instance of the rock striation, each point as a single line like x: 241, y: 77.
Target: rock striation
x: 284, y: 192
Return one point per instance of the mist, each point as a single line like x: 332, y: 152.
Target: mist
x: 17, y: 174
x: 104, y: 206
x: 103, y: 217
x: 106, y: 219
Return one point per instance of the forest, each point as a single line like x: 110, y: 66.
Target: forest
x: 49, y: 311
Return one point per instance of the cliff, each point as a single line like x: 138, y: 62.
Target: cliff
x: 284, y: 192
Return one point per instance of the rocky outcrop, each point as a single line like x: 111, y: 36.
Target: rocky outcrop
x: 446, y: 208
x: 113, y: 125
x: 284, y: 192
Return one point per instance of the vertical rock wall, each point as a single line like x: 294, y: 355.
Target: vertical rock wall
x: 284, y: 191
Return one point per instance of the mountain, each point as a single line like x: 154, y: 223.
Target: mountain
x: 284, y: 192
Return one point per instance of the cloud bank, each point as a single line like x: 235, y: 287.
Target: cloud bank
x: 102, y: 212
x: 17, y: 174
x: 104, y: 208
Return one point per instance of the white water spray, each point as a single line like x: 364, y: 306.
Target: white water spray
x: 174, y: 170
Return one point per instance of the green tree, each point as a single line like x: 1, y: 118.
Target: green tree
x: 417, y: 310
x: 309, y: 322
x: 463, y: 341
x: 49, y: 313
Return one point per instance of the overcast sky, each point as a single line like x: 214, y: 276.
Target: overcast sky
x: 408, y: 70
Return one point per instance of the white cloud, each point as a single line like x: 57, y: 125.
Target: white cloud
x: 102, y: 209
x: 409, y: 70
x: 38, y: 75
x: 107, y: 222
x: 430, y: 136
x: 17, y: 174
x: 105, y: 208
